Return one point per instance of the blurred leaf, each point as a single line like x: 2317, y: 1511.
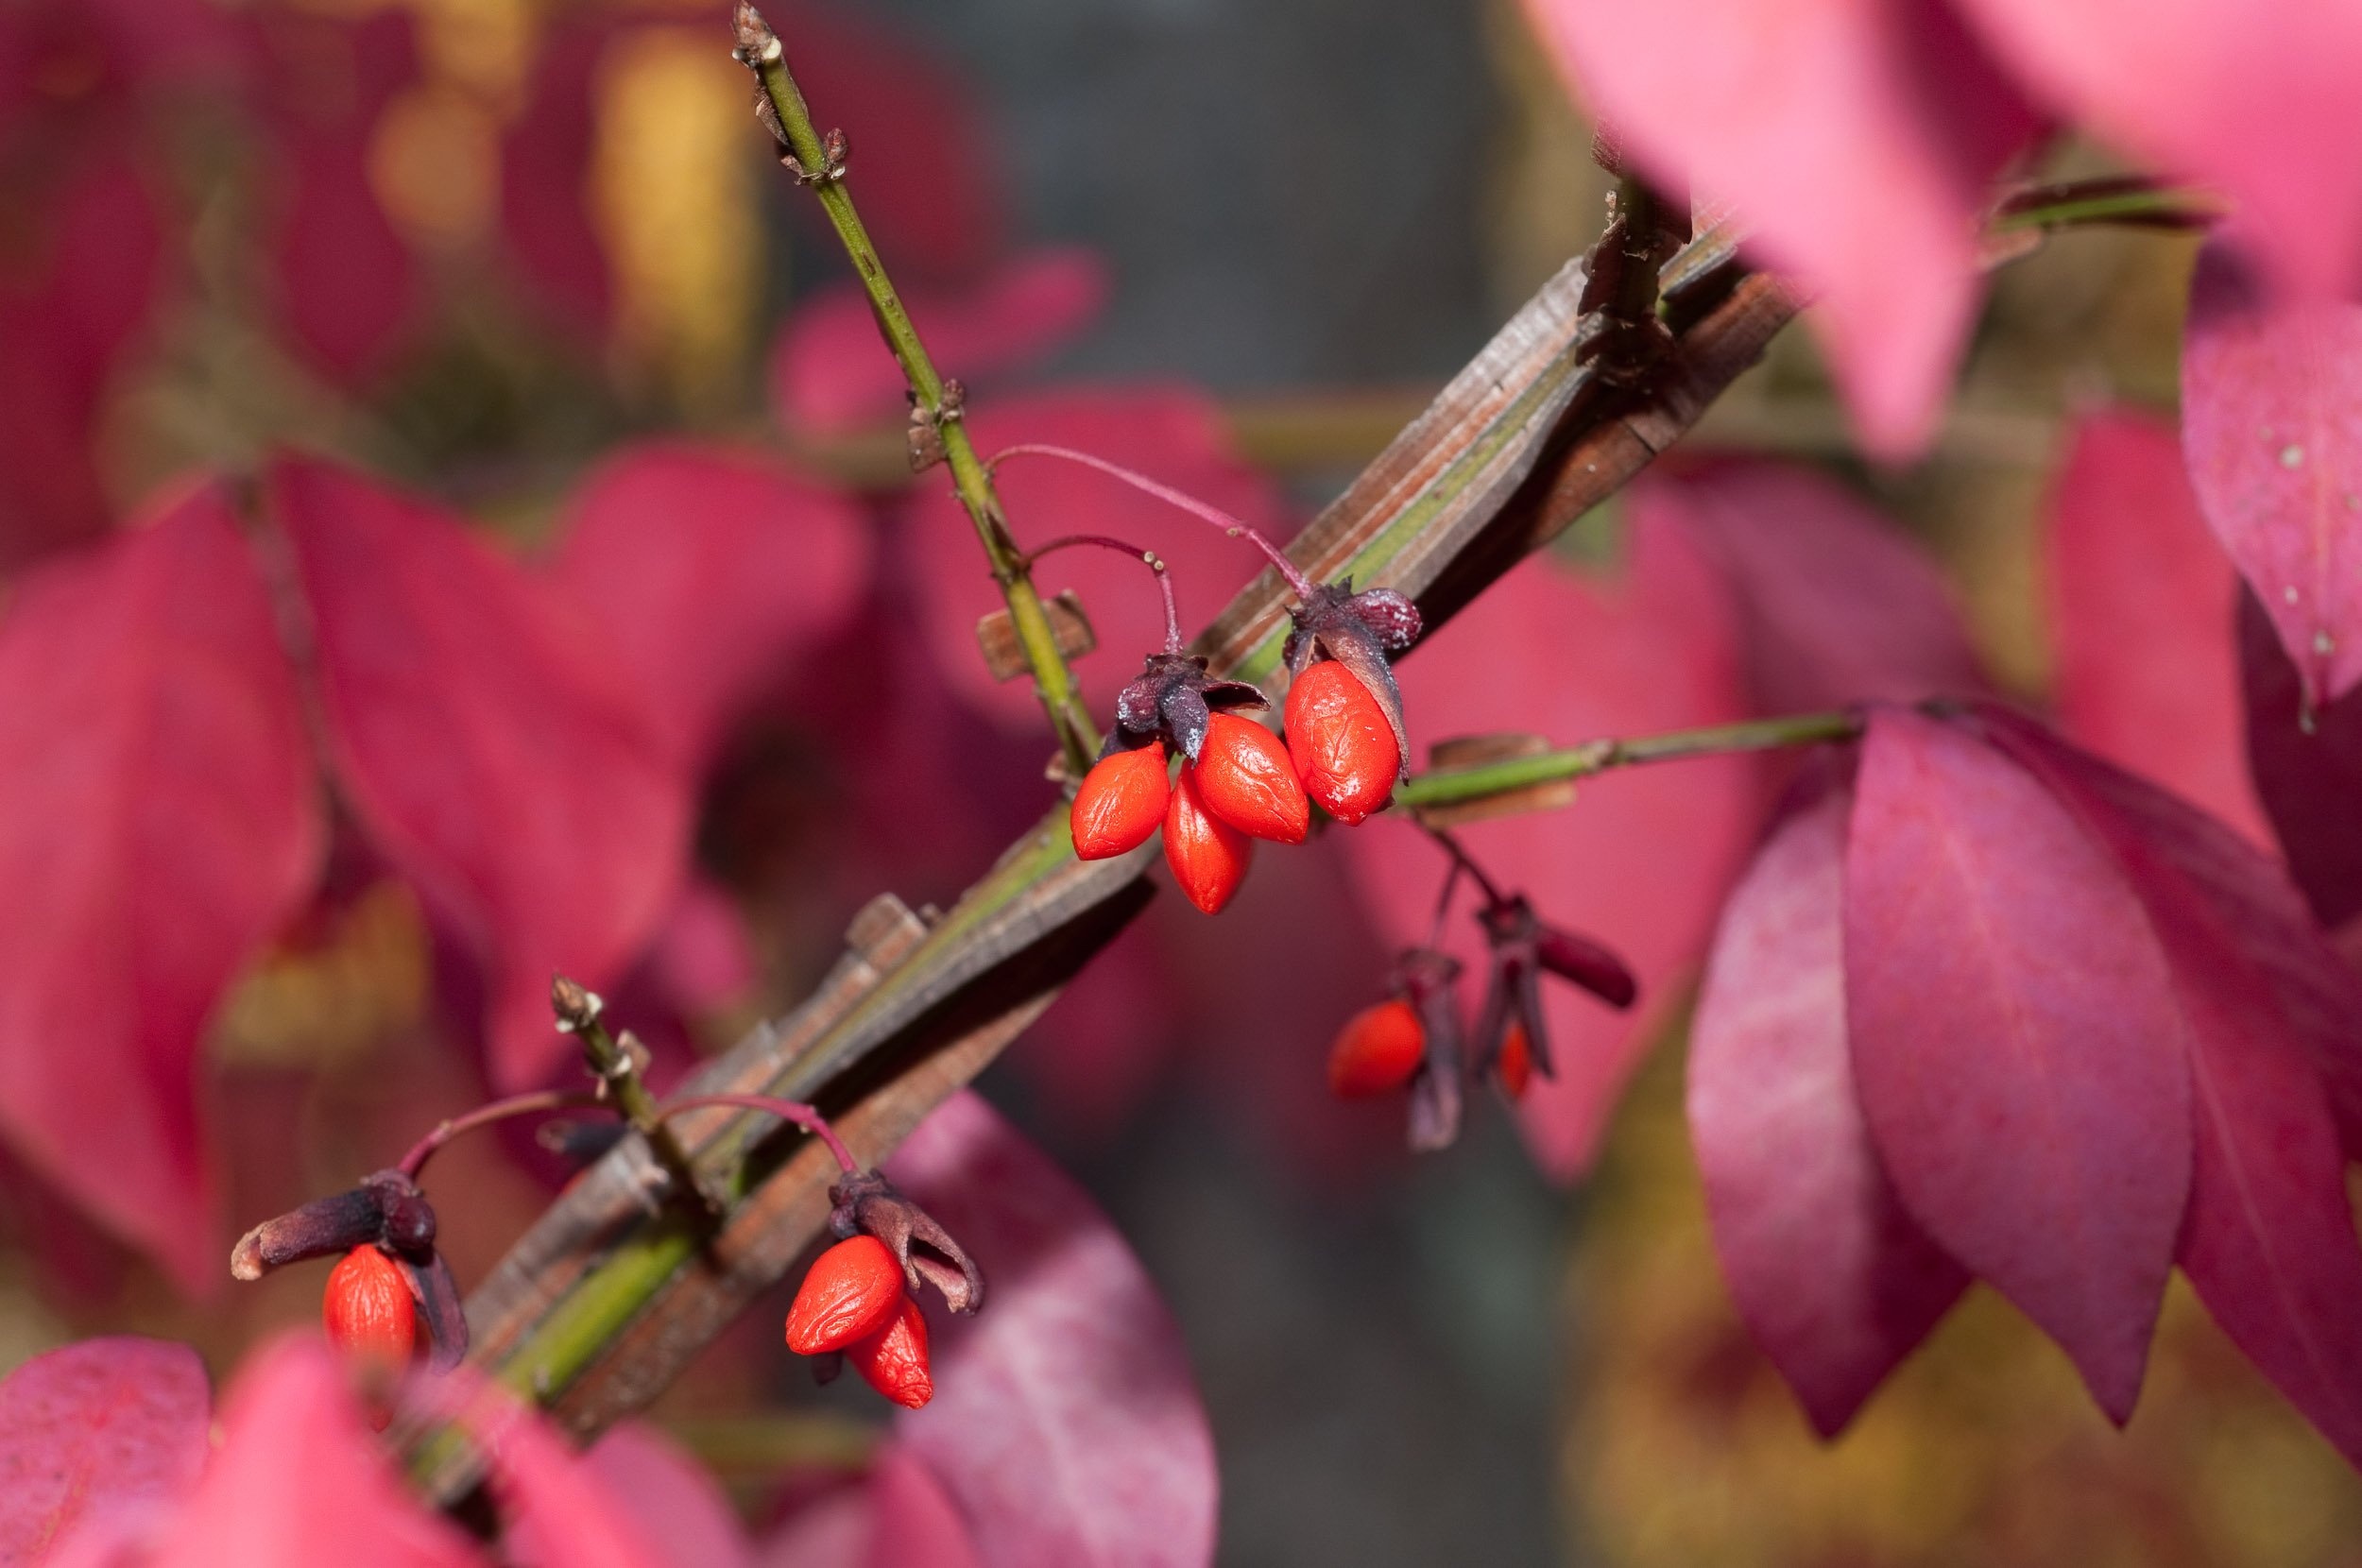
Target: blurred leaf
x: 103, y: 1427
x: 2308, y: 770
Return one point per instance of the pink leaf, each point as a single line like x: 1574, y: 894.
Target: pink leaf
x: 2307, y: 769
x: 158, y: 822
x: 1064, y: 1422
x: 710, y: 569
x: 301, y: 1481
x: 1640, y: 861
x: 2141, y: 600
x: 562, y: 1511
x: 831, y: 370
x: 488, y: 744
x: 2271, y: 399
x: 2269, y: 1240
x: 347, y: 288
x: 103, y: 1427
x: 2018, y: 1056
x: 670, y: 1497
x: 1838, y: 605
x: 2253, y: 95
x: 1856, y: 139
x: 545, y: 170
x: 898, y: 1516
x: 1834, y: 1280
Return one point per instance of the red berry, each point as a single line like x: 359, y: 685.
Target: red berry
x: 1515, y: 1065
x: 368, y: 1311
x: 1377, y: 1051
x: 1209, y: 856
x: 1121, y: 801
x: 1342, y: 747
x: 893, y: 1359
x: 850, y: 1295
x: 1246, y: 779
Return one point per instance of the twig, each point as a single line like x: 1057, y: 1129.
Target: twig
x: 794, y: 1111
x: 484, y: 1115
x: 616, y: 1065
x: 1146, y: 557
x: 1593, y: 757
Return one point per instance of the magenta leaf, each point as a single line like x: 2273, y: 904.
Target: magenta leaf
x: 1064, y: 1422
x: 2269, y: 1240
x: 898, y: 1516
x: 488, y: 744
x: 2141, y: 598
x: 561, y: 1510
x: 1854, y: 138
x: 1836, y: 603
x: 2017, y: 1051
x: 300, y: 1481
x: 1639, y: 861
x: 710, y: 570
x: 545, y: 166
x: 2307, y: 769
x: 672, y: 1499
x: 105, y: 1426
x: 159, y: 821
x: 1835, y: 1281
x: 2250, y: 95
x: 829, y: 371
x: 2271, y: 427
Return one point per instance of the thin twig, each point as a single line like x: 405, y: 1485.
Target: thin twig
x: 795, y: 1111
x: 484, y: 1115
x: 1453, y: 785
x: 1146, y: 557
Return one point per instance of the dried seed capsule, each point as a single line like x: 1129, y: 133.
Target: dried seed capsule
x: 1245, y: 778
x: 1121, y: 803
x: 1209, y: 856
x: 850, y: 1295
x: 1377, y: 1051
x: 1342, y: 744
x: 369, y: 1312
x: 893, y: 1359
x: 1513, y: 1068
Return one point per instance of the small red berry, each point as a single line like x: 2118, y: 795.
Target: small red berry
x: 1342, y: 747
x: 369, y: 1311
x: 1246, y: 779
x: 848, y: 1295
x: 1121, y: 801
x: 893, y: 1359
x: 1209, y: 856
x: 1515, y: 1065
x: 1377, y: 1051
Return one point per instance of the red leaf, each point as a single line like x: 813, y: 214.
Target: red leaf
x: 668, y: 1496
x: 898, y: 1516
x: 2269, y: 1240
x: 1837, y: 605
x: 2309, y: 772
x: 158, y: 822
x: 2141, y: 599
x: 545, y: 170
x: 1640, y: 861
x: 487, y: 746
x: 106, y: 1427
x: 1856, y: 139
x: 560, y: 1510
x: 710, y: 570
x: 347, y: 288
x: 2019, y: 1059
x: 301, y: 1481
x: 2272, y: 425
x: 2253, y: 95
x: 1065, y: 1422
x: 1834, y: 1280
x: 1171, y: 433
x: 831, y: 370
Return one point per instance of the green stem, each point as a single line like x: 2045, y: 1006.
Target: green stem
x: 580, y: 1013
x: 823, y: 169
x: 2123, y: 200
x: 1592, y: 757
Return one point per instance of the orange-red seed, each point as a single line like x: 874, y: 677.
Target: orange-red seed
x: 1515, y: 1063
x: 1121, y: 801
x: 1377, y: 1051
x: 1342, y: 747
x: 368, y: 1311
x: 1246, y: 779
x: 850, y: 1295
x: 1209, y: 856
x: 893, y: 1359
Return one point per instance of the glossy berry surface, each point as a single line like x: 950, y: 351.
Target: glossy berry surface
x: 369, y: 1311
x: 1209, y: 856
x: 1377, y: 1051
x: 851, y: 1293
x: 1246, y: 779
x: 893, y: 1359
x: 1514, y: 1067
x: 1342, y: 745
x: 1120, y: 804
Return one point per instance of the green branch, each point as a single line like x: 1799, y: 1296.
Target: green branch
x: 1458, y: 785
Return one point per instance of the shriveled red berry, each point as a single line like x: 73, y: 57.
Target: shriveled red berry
x: 1121, y: 801
x: 1342, y: 747
x: 1515, y: 1065
x: 850, y: 1295
x: 369, y: 1311
x: 1377, y: 1051
x: 893, y: 1359
x: 1209, y: 856
x: 1246, y: 779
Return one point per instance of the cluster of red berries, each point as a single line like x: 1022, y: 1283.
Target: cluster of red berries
x: 859, y: 1303
x: 1238, y: 782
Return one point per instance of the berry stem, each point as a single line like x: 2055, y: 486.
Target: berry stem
x: 1146, y: 557
x: 803, y: 1115
x: 500, y: 1110
x: 1215, y: 515
x: 1456, y: 785
x: 1462, y: 861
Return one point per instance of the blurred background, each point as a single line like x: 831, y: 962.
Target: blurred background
x: 475, y: 245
